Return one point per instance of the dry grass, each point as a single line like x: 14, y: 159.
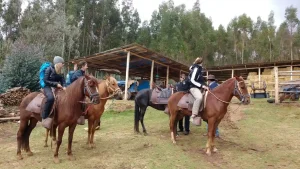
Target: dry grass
x: 264, y: 136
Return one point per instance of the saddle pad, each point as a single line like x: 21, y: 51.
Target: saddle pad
x: 187, y: 102
x: 160, y: 96
x: 36, y: 104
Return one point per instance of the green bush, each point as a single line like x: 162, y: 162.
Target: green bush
x: 21, y: 67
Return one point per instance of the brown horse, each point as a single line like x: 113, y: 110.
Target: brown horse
x: 216, y: 107
x: 66, y: 112
x: 107, y: 89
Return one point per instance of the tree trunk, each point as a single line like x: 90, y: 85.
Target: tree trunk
x: 243, y: 51
x: 63, y: 46
x: 291, y: 50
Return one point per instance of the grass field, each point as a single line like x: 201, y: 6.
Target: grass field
x: 260, y: 135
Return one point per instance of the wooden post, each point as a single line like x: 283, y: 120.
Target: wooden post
x: 291, y: 72
x: 259, y: 77
x: 179, y: 74
x: 127, y: 76
x: 206, y: 74
x: 151, y: 76
x: 232, y: 73
x: 276, y: 85
x: 167, y: 78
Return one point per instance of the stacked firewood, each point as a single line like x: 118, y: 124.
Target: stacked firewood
x: 14, y: 96
x: 2, y: 111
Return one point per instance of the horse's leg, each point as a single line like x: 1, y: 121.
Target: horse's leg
x: 54, y: 134
x: 46, y: 140
x: 143, y: 110
x: 70, y: 140
x: 90, y: 126
x: 61, y: 130
x: 93, y: 133
x: 31, y: 126
x: 20, y: 139
x: 172, y: 123
x: 210, y: 134
x: 214, y: 149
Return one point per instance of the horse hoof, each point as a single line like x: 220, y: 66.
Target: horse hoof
x: 208, y: 153
x: 215, y: 150
x: 145, y: 134
x: 29, y: 153
x: 20, y: 157
x: 46, y: 145
x: 93, y: 146
x: 56, y: 160
x: 72, y: 158
x: 174, y: 142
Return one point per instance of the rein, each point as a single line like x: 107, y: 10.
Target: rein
x: 115, y: 91
x: 236, y: 90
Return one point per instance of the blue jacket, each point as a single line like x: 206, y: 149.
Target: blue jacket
x: 76, y: 75
x: 213, y: 85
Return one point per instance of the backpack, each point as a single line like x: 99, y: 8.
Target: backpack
x: 69, y: 76
x: 42, y: 73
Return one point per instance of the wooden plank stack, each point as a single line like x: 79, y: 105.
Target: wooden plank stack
x: 14, y: 96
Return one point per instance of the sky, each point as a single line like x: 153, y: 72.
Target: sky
x: 222, y: 11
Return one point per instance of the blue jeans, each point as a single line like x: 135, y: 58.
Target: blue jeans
x: 217, y: 130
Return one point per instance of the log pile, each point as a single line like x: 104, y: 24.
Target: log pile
x: 2, y: 111
x: 14, y: 96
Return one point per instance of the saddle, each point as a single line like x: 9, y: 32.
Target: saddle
x: 160, y: 96
x: 38, y: 102
x: 187, y: 102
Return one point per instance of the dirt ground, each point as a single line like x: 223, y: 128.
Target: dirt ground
x: 259, y: 135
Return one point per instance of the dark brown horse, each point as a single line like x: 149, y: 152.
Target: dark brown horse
x: 66, y: 112
x: 216, y: 107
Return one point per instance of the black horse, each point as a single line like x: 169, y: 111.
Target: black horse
x: 142, y: 101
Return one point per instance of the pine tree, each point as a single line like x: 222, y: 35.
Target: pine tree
x: 21, y: 67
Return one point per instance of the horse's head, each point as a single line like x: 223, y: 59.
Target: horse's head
x: 112, y: 86
x: 91, y: 89
x: 240, y: 90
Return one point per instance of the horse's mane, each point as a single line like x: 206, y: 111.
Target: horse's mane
x: 220, y: 88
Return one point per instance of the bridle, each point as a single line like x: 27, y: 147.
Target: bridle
x: 87, y: 89
x: 237, y: 91
x: 109, y: 87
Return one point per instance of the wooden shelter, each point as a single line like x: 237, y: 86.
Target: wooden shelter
x: 136, y: 60
x: 273, y: 73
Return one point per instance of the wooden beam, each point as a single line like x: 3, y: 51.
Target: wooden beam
x: 151, y: 75
x: 156, y: 62
x: 295, y: 71
x: 167, y: 77
x: 127, y: 75
x: 276, y: 85
x: 259, y: 79
x: 291, y: 72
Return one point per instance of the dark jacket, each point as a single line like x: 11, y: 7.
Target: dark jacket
x: 51, y: 78
x: 183, y: 86
x: 77, y: 74
x: 195, y: 77
x: 213, y: 85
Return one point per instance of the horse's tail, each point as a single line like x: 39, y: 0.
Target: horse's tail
x: 137, y: 113
x: 23, y: 139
